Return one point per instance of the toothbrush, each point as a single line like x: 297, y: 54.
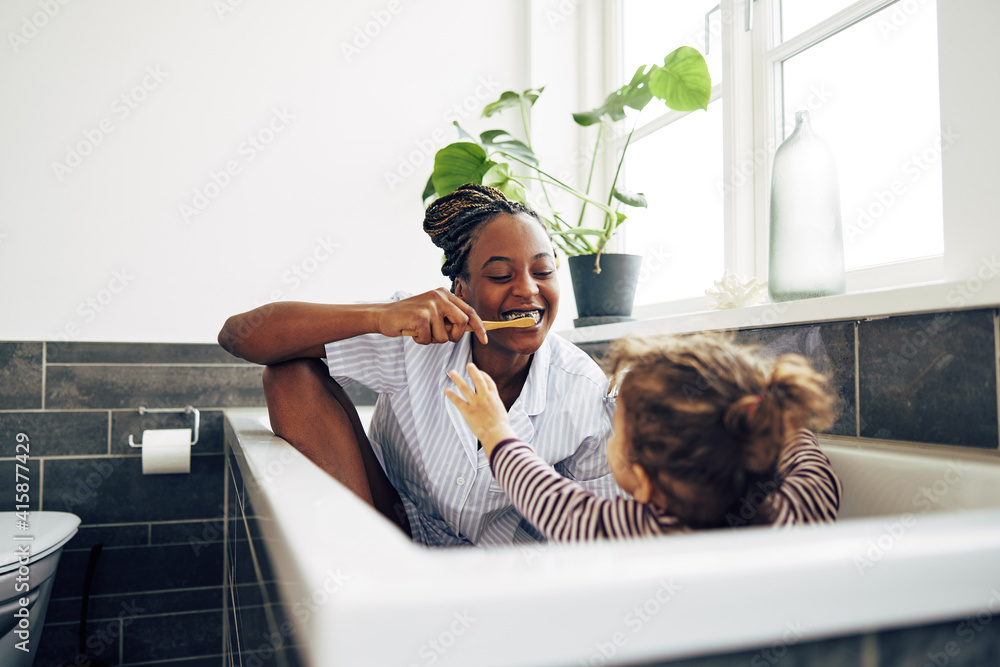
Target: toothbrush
x: 519, y: 323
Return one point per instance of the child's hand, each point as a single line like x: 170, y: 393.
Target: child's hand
x: 482, y: 408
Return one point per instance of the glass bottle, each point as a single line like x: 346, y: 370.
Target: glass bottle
x: 807, y: 243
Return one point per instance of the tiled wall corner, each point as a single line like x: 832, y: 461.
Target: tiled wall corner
x: 157, y: 589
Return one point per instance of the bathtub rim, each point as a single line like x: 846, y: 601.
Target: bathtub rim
x: 821, y: 556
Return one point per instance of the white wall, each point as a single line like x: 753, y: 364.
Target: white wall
x: 109, y: 228
x: 970, y: 71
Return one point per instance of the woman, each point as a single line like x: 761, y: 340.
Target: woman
x: 423, y: 467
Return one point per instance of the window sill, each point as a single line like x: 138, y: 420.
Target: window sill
x: 979, y: 291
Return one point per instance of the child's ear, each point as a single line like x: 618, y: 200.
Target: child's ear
x: 644, y: 487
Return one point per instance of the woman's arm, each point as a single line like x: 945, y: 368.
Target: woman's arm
x: 286, y: 330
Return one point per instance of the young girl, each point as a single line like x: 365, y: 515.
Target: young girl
x: 707, y: 434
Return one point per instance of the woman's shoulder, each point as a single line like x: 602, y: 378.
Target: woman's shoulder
x: 571, y: 361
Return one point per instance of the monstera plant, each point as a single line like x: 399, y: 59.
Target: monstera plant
x: 500, y: 159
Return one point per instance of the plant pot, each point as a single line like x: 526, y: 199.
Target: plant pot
x: 605, y: 297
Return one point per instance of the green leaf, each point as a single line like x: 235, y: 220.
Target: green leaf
x: 509, y: 99
x: 490, y: 136
x: 628, y: 197
x: 532, y: 94
x: 458, y: 164
x: 634, y: 94
x: 429, y: 191
x: 683, y: 82
x: 499, y: 177
x: 493, y: 139
x: 586, y: 118
x: 462, y: 134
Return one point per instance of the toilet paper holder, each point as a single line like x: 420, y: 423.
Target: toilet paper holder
x: 188, y: 410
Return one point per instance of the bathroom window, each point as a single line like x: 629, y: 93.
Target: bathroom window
x: 868, y: 73
x: 675, y: 158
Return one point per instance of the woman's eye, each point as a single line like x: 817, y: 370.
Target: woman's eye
x: 544, y: 274
x: 498, y: 279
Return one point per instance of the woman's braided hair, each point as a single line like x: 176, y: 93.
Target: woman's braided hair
x: 455, y: 221
x: 705, y: 417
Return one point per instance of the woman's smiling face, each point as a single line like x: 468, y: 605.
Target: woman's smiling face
x: 511, y: 273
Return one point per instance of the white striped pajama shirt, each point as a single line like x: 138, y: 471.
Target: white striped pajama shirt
x: 805, y: 490
x: 430, y: 454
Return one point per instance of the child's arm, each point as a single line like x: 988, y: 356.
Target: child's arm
x: 562, y: 509
x: 559, y: 508
x: 808, y: 489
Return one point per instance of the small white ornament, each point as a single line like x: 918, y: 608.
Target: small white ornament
x: 735, y: 292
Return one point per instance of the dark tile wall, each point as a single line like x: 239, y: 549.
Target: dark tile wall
x: 157, y: 588
x: 928, y: 379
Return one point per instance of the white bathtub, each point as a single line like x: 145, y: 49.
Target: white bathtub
x: 898, y: 557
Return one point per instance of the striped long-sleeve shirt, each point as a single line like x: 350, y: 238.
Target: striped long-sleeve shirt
x: 804, y: 489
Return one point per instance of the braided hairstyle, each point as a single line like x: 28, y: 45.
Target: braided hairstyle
x: 455, y: 221
x: 706, y: 418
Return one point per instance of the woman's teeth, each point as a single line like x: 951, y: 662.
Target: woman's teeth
x: 517, y: 314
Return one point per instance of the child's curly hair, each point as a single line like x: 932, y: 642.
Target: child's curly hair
x: 705, y: 417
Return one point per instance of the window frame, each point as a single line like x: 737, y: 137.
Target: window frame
x: 752, y: 117
x: 768, y: 113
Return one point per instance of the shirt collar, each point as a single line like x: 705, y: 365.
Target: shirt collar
x: 530, y: 403
x: 533, y: 395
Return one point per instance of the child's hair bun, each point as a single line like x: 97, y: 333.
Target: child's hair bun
x: 795, y: 397
x: 802, y: 394
x: 749, y: 418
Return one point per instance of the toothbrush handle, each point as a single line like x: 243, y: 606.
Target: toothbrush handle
x: 489, y: 326
x: 412, y: 332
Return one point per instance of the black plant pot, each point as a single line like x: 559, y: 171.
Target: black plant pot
x: 605, y: 297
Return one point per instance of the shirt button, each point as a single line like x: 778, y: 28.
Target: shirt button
x: 460, y: 481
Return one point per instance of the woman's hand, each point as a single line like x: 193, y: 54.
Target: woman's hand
x: 482, y: 408
x: 428, y: 314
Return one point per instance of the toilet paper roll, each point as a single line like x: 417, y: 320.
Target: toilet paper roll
x: 166, y: 450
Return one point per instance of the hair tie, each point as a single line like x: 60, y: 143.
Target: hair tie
x: 752, y: 408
